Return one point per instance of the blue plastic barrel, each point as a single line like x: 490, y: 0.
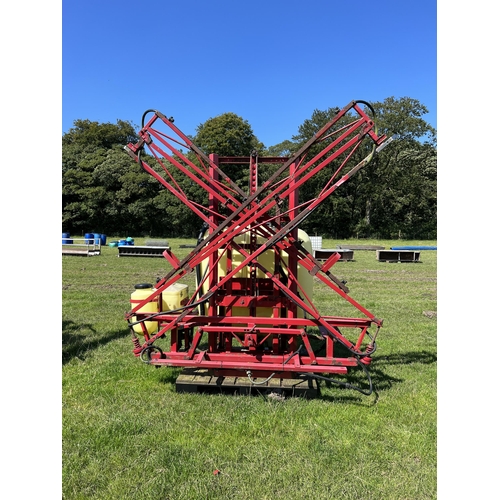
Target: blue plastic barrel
x: 89, y: 238
x: 97, y: 239
x: 65, y: 239
x: 103, y: 239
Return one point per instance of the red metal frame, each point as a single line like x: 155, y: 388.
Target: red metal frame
x: 204, y: 333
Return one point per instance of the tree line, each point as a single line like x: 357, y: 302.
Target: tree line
x: 395, y: 196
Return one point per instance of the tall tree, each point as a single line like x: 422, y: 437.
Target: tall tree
x: 403, y: 199
x: 395, y: 194
x: 95, y: 195
x: 104, y: 190
x: 225, y: 135
x: 229, y: 135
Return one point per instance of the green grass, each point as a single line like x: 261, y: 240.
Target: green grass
x: 128, y: 434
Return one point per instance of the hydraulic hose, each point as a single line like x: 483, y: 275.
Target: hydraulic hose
x: 249, y: 375
x: 180, y: 309
x: 344, y: 384
x: 142, y: 126
x: 199, y: 277
x: 375, y: 128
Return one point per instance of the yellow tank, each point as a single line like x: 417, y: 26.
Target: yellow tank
x: 267, y: 261
x: 141, y: 292
x: 175, y: 296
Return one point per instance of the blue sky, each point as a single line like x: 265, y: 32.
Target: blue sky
x: 272, y: 62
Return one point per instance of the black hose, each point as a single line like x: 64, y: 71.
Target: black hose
x: 344, y: 384
x: 147, y: 350
x: 153, y: 111
x: 142, y: 126
x: 201, y: 235
x: 139, y: 161
x: 374, y: 147
x: 352, y: 351
x: 183, y: 308
x: 199, y: 277
x: 366, y: 104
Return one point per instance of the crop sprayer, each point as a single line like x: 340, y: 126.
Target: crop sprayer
x: 251, y: 313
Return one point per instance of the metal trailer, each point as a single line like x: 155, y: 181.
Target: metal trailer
x: 251, y: 316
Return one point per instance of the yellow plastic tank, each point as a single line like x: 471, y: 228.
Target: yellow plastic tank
x: 143, y: 291
x: 175, y: 296
x: 267, y: 261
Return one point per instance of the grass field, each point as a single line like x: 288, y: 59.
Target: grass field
x: 127, y: 433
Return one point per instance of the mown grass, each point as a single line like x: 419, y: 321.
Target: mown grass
x: 127, y: 433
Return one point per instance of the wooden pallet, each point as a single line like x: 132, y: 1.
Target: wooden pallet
x: 200, y: 380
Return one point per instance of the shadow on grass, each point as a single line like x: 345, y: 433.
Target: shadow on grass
x: 169, y: 375
x: 79, y: 339
x: 407, y: 358
x: 381, y: 381
x: 384, y: 382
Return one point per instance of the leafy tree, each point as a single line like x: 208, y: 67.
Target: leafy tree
x: 95, y: 192
x: 104, y: 190
x: 87, y: 137
x: 395, y: 194
x: 403, y: 201
x: 285, y: 148
x: 224, y: 135
x: 229, y: 135
x: 337, y: 215
x: 403, y: 119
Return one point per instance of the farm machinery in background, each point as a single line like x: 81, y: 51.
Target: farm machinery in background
x: 251, y: 313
